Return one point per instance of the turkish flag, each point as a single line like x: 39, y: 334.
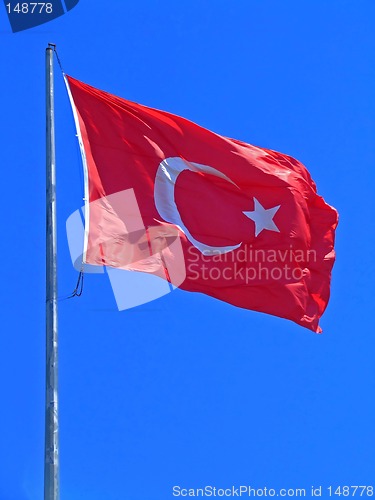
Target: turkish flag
x: 252, y: 228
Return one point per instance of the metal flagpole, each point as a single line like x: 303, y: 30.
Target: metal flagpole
x: 51, y: 451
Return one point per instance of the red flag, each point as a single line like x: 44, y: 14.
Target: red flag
x: 253, y: 229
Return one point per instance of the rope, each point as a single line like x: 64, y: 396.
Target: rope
x: 77, y: 292
x: 53, y: 46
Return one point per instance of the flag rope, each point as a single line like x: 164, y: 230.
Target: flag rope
x: 78, y: 290
x: 53, y: 47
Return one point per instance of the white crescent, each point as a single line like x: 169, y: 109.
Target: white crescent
x: 165, y: 181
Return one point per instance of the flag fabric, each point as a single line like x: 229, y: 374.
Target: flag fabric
x: 253, y: 230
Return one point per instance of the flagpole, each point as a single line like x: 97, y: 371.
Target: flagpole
x: 51, y: 450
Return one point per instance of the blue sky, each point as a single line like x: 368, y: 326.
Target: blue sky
x: 188, y: 390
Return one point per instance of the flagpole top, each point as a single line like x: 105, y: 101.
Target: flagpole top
x: 52, y: 46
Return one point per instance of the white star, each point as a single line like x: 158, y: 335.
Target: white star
x: 263, y: 217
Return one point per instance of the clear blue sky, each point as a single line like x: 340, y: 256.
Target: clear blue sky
x: 188, y: 390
